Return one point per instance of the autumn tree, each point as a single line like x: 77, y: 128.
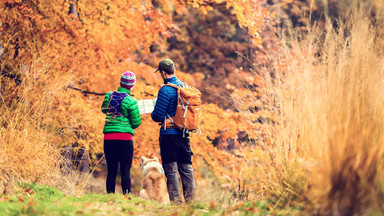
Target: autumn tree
x: 53, y: 47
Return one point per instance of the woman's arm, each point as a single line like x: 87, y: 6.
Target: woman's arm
x: 131, y: 110
x: 104, y: 106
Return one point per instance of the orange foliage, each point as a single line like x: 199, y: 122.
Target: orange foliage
x: 94, y: 46
x: 250, y: 14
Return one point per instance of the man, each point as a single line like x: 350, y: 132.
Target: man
x: 175, y: 146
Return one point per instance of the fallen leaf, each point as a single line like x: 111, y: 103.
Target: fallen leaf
x: 30, y: 191
x: 86, y: 204
x: 127, y: 197
x: 211, y: 205
x: 3, y: 199
x: 32, y: 203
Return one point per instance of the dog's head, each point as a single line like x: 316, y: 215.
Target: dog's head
x: 146, y: 165
x: 145, y: 161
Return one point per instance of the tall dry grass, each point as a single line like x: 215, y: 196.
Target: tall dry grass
x: 326, y: 148
x: 29, y: 143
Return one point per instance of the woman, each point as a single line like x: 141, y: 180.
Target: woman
x: 122, y: 117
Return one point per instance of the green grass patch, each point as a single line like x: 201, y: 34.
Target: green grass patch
x: 39, y: 200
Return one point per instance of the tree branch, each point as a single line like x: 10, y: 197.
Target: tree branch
x: 149, y: 94
x: 86, y: 92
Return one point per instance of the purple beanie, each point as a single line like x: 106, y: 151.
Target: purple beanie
x: 128, y: 80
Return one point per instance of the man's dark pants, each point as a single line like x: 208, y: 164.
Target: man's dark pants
x: 176, y: 156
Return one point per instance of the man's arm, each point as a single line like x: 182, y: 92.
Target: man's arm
x: 158, y: 114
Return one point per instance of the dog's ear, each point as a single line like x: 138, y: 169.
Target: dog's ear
x: 143, y: 159
x: 156, y: 159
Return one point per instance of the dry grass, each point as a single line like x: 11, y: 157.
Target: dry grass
x: 29, y: 142
x: 343, y: 103
x: 327, y: 147
x: 210, y: 189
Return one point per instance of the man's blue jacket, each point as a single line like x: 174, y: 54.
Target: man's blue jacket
x: 167, y: 103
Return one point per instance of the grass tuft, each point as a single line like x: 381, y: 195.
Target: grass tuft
x: 325, y: 148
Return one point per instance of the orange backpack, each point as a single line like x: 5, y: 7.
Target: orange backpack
x: 188, y: 109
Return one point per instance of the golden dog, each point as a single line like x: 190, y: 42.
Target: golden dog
x: 154, y: 181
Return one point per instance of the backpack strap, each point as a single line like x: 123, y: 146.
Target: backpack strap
x: 169, y: 119
x: 115, y: 100
x: 178, y: 92
x: 172, y: 85
x: 164, y: 124
x: 184, y: 85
